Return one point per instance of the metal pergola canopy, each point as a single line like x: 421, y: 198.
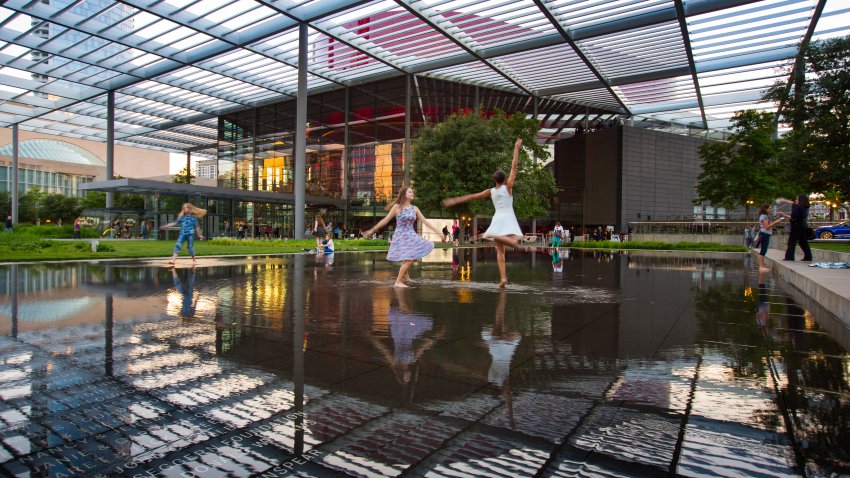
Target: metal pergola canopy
x: 148, y: 186
x: 175, y: 65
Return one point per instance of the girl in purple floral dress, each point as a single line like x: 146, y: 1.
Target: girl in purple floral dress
x: 407, y: 246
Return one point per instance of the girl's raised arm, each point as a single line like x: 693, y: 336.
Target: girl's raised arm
x: 386, y: 220
x: 512, y: 177
x: 170, y: 224
x: 469, y: 197
x: 423, y: 220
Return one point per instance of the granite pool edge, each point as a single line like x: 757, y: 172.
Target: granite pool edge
x: 827, y: 299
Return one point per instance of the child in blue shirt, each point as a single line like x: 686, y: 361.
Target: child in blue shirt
x: 189, y: 222
x: 328, y: 244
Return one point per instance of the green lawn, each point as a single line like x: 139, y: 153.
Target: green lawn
x: 24, y: 247
x: 45, y: 250
x: 831, y: 247
x: 659, y: 246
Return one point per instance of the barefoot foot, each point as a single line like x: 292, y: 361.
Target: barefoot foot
x: 401, y: 285
x: 503, y: 283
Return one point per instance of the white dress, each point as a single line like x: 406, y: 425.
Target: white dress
x: 504, y: 221
x: 501, y: 353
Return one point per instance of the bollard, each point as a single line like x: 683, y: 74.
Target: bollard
x: 94, y: 244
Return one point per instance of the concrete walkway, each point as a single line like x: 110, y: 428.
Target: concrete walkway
x: 828, y: 287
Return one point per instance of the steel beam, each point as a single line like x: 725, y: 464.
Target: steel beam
x: 799, y: 67
x: 560, y: 28
x: 686, y: 39
x: 425, y: 18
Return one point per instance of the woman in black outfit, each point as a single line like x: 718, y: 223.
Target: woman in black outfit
x: 799, y: 228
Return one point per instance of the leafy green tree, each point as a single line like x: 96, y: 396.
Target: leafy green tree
x: 58, y: 208
x: 184, y: 176
x: 28, y: 205
x: 459, y: 155
x: 97, y: 200
x: 5, y: 203
x: 742, y: 171
x: 93, y: 200
x: 129, y: 201
x: 816, y: 152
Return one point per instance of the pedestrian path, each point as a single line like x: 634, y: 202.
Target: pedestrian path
x: 828, y: 287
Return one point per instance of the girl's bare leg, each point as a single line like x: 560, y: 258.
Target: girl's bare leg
x: 761, y: 264
x: 173, y: 259
x: 507, y: 241
x: 500, y: 260
x: 402, y: 272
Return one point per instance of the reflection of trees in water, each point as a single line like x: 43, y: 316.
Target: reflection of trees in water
x: 815, y: 390
x: 726, y: 313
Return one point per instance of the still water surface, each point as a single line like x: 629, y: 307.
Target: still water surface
x: 592, y: 364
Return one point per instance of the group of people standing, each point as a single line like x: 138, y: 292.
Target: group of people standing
x: 799, y: 229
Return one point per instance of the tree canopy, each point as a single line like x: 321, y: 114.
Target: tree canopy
x: 184, y: 176
x: 459, y: 156
x: 743, y: 169
x: 815, y: 154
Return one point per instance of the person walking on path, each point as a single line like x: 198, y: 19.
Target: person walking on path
x: 799, y: 219
x: 765, y: 233
x: 189, y: 222
x: 77, y: 228
x: 504, y: 228
x: 406, y: 246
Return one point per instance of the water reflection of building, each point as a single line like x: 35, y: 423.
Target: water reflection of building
x: 51, y: 297
x: 565, y: 379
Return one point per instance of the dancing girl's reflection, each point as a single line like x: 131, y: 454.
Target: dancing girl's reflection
x: 502, y: 343
x: 763, y: 312
x: 187, y: 292
x: 412, y: 336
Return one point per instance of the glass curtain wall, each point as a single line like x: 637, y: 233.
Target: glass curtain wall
x: 255, y: 145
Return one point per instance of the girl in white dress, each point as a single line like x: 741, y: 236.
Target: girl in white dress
x: 504, y: 228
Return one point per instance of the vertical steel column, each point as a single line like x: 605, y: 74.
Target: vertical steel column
x: 188, y: 167
x: 534, y: 159
x: 255, y: 178
x: 476, y: 107
x: 534, y: 114
x: 13, y: 283
x: 408, y: 83
x: 299, y: 303
x: 110, y: 144
x: 346, y: 157
x: 15, y: 172
x: 300, y: 146
x: 108, y: 336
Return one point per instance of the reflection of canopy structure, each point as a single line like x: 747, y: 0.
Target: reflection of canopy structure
x: 175, y: 65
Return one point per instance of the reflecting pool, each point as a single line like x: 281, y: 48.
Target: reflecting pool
x: 592, y: 364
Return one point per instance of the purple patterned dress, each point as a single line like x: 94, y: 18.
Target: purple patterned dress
x: 407, y: 245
